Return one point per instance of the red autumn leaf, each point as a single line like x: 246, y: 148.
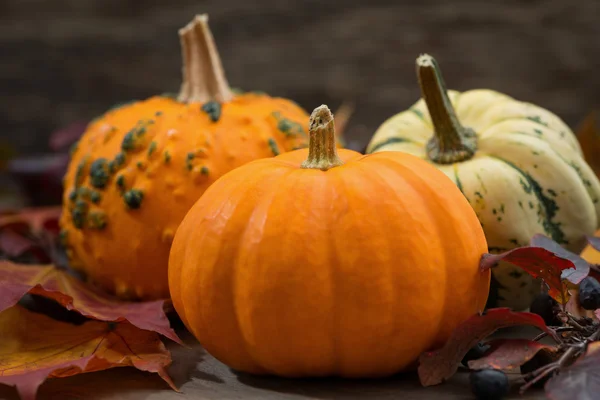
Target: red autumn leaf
x: 439, y: 365
x: 579, y: 381
x: 582, y: 267
x: 31, y: 236
x: 14, y: 245
x: 509, y: 353
x: 35, y: 347
x: 73, y: 294
x: 544, y: 259
x: 36, y: 220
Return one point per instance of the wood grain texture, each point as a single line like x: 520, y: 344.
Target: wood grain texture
x: 200, y: 377
x: 69, y: 59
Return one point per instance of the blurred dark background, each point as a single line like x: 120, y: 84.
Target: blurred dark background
x: 64, y: 61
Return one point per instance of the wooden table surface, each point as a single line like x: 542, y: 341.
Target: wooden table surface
x: 201, y: 377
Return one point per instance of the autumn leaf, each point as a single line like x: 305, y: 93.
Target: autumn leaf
x: 35, y: 347
x: 73, y: 294
x: 37, y: 220
x: 509, y: 353
x: 579, y: 381
x: 30, y: 235
x: 545, y: 259
x: 15, y: 245
x: 439, y: 365
x: 588, y: 134
x: 573, y: 275
x: 594, y: 241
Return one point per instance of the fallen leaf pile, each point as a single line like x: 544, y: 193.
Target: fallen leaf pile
x: 110, y: 333
x: 35, y: 347
x: 570, y: 365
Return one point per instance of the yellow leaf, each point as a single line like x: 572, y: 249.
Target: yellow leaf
x: 35, y: 347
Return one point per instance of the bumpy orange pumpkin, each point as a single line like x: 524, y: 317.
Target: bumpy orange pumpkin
x: 139, y: 168
x: 312, y: 264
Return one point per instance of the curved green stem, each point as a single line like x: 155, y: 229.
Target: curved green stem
x: 452, y: 142
x: 322, y: 151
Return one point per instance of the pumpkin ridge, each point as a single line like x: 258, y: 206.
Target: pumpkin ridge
x: 335, y: 347
x: 374, y: 177
x: 390, y: 140
x: 334, y: 278
x: 438, y: 230
x: 270, y: 184
x: 586, y: 181
x: 233, y: 286
x: 419, y: 114
x: 568, y: 139
x: 550, y: 208
x: 562, y: 140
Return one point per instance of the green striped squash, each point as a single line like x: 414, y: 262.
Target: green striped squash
x: 520, y: 167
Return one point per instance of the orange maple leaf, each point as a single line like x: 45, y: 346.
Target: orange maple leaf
x: 46, y: 280
x: 35, y: 347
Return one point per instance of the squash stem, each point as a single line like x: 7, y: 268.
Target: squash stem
x: 452, y: 142
x: 203, y: 76
x: 322, y: 151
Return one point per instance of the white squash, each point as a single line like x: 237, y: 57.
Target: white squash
x: 520, y: 167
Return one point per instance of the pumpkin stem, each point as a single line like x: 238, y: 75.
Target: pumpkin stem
x: 203, y: 76
x: 452, y: 142
x: 322, y: 151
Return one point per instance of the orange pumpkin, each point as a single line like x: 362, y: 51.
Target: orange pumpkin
x: 313, y: 263
x: 139, y: 168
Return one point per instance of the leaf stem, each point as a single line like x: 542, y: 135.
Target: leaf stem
x: 555, y: 336
x: 566, y: 359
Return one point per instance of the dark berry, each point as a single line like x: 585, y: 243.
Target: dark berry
x: 489, y: 384
x: 475, y: 353
x: 539, y: 360
x: 545, y: 306
x: 589, y: 293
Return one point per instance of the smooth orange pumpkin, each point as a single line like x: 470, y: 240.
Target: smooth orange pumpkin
x: 139, y: 168
x: 313, y: 263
